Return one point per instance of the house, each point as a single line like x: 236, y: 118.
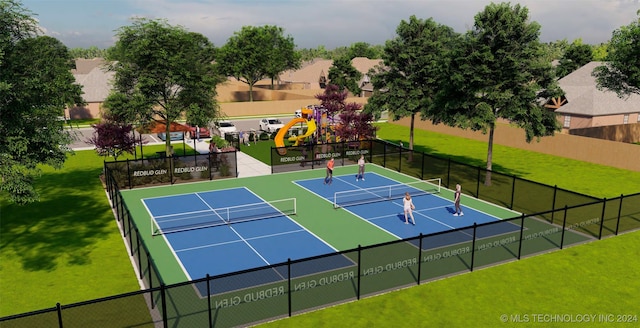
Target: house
x: 584, y: 106
x: 314, y: 73
x: 96, y: 85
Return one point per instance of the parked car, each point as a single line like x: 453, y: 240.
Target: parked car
x: 172, y: 136
x: 204, y: 131
x: 270, y: 124
x: 298, y: 113
x: 223, y: 127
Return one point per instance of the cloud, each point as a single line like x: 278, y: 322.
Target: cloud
x: 330, y: 23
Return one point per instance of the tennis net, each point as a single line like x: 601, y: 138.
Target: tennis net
x: 220, y: 216
x: 376, y: 194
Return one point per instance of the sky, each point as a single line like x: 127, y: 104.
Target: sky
x: 329, y: 23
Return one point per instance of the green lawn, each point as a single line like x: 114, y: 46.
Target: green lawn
x: 595, y: 278
x: 67, y: 248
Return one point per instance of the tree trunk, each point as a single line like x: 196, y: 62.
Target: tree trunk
x: 413, y: 119
x: 167, y: 141
x: 487, y: 178
x: 250, y: 92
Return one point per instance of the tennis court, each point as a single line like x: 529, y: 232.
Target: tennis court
x: 223, y: 231
x: 225, y: 226
x: 378, y: 200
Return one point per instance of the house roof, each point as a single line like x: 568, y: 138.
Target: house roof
x: 584, y: 98
x: 95, y: 81
x: 311, y: 71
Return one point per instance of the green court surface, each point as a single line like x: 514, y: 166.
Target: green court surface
x: 339, y: 228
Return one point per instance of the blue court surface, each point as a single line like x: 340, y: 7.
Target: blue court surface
x: 226, y: 248
x: 433, y: 213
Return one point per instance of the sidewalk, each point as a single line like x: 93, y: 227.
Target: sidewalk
x: 247, y: 165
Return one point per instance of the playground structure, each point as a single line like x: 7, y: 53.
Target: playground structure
x: 311, y: 115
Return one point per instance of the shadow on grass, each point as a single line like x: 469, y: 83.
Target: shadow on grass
x: 72, y: 215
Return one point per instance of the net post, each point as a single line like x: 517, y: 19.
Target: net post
x: 295, y: 206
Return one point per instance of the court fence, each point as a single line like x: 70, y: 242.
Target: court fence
x: 555, y: 219
x: 174, y: 169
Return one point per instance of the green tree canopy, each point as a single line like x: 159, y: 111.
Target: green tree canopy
x: 162, y: 73
x: 577, y: 55
x: 408, y: 81
x: 363, y: 49
x: 344, y: 75
x: 36, y: 85
x: 256, y: 53
x: 499, y: 71
x: 621, y: 73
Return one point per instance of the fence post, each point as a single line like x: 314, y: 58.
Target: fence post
x: 384, y: 155
x: 129, y: 175
x: 209, y: 301
x: 473, y: 245
x: 289, y: 284
x: 272, y: 159
x: 604, y: 205
x: 419, y: 258
x: 163, y: 298
x: 513, y: 191
x: 359, y: 258
x: 448, y: 171
x: 619, y: 213
x: 564, y: 225
x: 521, y: 232
x: 171, y: 166
x: 553, y: 205
x: 478, y: 184
x: 400, y: 160
x: 422, y: 167
x: 59, y: 310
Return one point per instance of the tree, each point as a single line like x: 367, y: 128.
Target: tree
x: 576, y: 56
x: 621, y: 72
x: 499, y: 71
x: 36, y: 85
x: 344, y: 75
x: 88, y: 53
x: 407, y: 82
x: 333, y: 102
x: 256, y: 53
x: 283, y: 55
x: 162, y: 73
x: 113, y: 139
x: 363, y: 49
x: 354, y: 123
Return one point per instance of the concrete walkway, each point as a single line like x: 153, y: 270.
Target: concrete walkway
x: 247, y: 165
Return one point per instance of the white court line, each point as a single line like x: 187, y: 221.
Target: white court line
x: 238, y: 240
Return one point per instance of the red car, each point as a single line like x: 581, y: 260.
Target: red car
x: 204, y: 131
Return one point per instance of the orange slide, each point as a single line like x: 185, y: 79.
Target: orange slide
x: 279, y: 139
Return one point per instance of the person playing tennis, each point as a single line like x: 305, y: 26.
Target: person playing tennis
x: 329, y: 178
x: 456, y: 201
x: 360, y: 175
x: 408, y: 208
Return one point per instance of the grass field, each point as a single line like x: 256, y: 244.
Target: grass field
x: 67, y: 249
